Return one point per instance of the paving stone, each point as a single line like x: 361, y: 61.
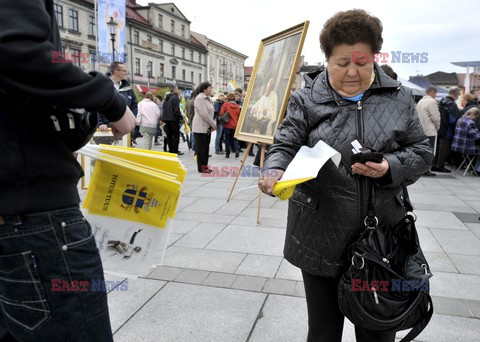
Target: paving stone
x: 280, y: 286
x: 249, y: 283
x: 164, y: 273
x: 172, y: 238
x: 439, y: 219
x: 266, y: 202
x: 123, y: 304
x: 255, y: 240
x: 467, y: 217
x: 428, y: 241
x: 234, y: 207
x: 284, y: 319
x: 183, y: 227
x: 114, y: 279
x: 440, y: 262
x: 220, y: 279
x: 450, y: 306
x: 211, y: 192
x: 441, y: 207
x: 259, y: 265
x: 474, y: 228
x: 474, y: 306
x: 455, y: 285
x: 466, y: 264
x: 213, y: 218
x: 201, y: 235
x: 264, y: 222
x: 425, y: 198
x: 186, y: 201
x: 288, y: 271
x: 185, y: 313
x: 299, y: 290
x: 192, y: 276
x: 443, y: 328
x: 457, y: 241
x: 207, y: 260
x: 265, y: 212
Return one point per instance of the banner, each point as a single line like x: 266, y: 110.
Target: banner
x: 111, y: 9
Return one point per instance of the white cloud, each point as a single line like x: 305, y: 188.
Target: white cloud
x: 447, y: 34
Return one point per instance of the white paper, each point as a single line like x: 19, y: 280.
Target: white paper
x: 309, y: 160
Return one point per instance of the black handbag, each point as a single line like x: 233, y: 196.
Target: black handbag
x: 75, y: 127
x: 224, y: 118
x: 386, y: 285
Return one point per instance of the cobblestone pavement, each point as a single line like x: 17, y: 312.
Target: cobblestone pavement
x: 224, y: 277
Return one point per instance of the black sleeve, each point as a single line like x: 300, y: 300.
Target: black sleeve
x: 29, y: 63
x: 134, y: 104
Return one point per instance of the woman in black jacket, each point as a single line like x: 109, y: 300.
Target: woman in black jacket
x: 351, y: 100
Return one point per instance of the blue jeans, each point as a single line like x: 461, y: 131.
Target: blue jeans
x: 218, y: 146
x: 47, y: 263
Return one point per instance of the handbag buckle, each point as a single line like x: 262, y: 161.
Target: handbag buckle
x: 412, y: 214
x: 353, y: 261
x: 370, y: 222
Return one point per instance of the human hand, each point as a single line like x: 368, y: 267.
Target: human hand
x: 103, y: 128
x: 125, y: 125
x: 268, y: 180
x: 371, y: 169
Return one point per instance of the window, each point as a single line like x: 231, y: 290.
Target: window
x: 184, y: 75
x: 73, y: 20
x: 149, y: 38
x: 160, y: 21
x: 136, y: 37
x: 172, y: 26
x: 173, y: 49
x: 93, y: 58
x: 183, y: 31
x: 183, y: 53
x: 162, y: 69
x: 200, y: 78
x: 75, y: 57
x: 59, y: 14
x: 91, y: 25
x: 192, y: 75
x: 174, y: 71
x: 160, y: 45
x: 199, y: 58
x: 137, y: 66
x: 150, y: 66
x: 191, y: 55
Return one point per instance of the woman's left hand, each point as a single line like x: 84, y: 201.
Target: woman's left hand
x: 371, y: 169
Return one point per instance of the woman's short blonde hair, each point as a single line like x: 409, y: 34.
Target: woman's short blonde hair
x: 148, y: 96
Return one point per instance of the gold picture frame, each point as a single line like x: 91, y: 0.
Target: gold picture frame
x: 269, y: 87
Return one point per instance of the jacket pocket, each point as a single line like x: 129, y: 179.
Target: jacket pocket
x: 21, y: 295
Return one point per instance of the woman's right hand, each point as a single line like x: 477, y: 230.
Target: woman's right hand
x: 266, y: 183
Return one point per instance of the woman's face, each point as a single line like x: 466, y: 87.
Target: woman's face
x: 350, y: 68
x: 208, y: 91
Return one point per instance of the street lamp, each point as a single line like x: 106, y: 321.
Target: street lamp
x: 112, y: 29
x: 149, y: 74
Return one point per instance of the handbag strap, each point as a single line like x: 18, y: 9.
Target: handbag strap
x: 407, y: 205
x: 418, y: 328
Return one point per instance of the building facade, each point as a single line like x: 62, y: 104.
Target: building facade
x: 225, y: 65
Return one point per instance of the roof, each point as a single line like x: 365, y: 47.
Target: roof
x: 205, y: 40
x: 133, y: 14
x: 441, y: 77
x: 420, y: 81
x: 196, y: 42
x: 309, y: 68
x: 467, y: 64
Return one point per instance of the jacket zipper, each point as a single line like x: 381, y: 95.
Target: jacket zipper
x: 361, y: 208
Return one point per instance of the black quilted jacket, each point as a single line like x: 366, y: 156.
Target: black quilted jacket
x: 325, y: 214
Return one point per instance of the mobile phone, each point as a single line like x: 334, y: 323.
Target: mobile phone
x: 366, y: 155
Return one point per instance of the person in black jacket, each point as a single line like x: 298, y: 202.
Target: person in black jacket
x: 49, y: 258
x: 352, y: 100
x: 172, y: 118
x: 449, y: 114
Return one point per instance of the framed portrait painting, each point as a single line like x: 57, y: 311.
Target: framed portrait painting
x: 269, y: 86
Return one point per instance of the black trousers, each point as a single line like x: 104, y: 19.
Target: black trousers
x: 325, y: 320
x: 443, y: 150
x: 202, y: 146
x: 172, y: 129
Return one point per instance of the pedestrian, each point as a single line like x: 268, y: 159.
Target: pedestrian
x: 352, y: 100
x: 172, y: 118
x: 190, y: 115
x: 147, y: 119
x: 230, y: 125
x: 203, y: 125
x: 159, y: 101
x: 45, y: 240
x: 429, y: 116
x: 219, y: 136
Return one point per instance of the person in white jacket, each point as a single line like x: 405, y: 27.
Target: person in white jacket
x: 429, y: 116
x: 147, y: 118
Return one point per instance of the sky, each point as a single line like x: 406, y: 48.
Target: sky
x: 447, y: 31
